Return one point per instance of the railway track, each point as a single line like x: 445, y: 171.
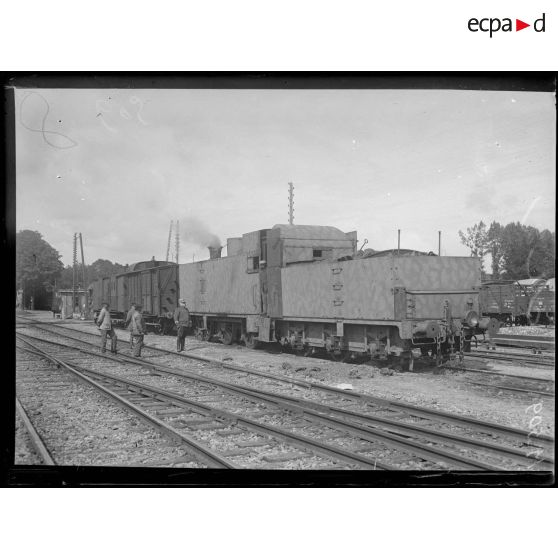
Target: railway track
x: 536, y: 342
x: 374, y: 420
x: 52, y: 378
x: 34, y: 436
x: 516, y: 383
x: 159, y: 407
x: 541, y: 361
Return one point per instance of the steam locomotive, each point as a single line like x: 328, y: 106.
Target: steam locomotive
x: 309, y: 289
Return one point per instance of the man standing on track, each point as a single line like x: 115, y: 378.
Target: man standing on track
x: 128, y: 322
x: 105, y: 325
x: 137, y: 329
x: 182, y: 321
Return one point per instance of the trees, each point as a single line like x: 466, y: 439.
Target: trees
x: 103, y: 268
x: 99, y: 268
x: 38, y: 265
x: 518, y: 251
x: 476, y: 239
x: 494, y: 244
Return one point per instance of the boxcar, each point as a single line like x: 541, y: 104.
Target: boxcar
x: 152, y: 283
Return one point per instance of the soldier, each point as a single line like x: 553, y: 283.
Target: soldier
x: 105, y: 325
x: 128, y: 321
x: 182, y: 321
x: 137, y: 325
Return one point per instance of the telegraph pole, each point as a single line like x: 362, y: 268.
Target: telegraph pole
x: 168, y: 242
x: 74, y: 273
x: 83, y: 277
x: 291, y: 203
x: 177, y: 239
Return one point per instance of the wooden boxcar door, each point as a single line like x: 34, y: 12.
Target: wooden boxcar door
x: 155, y: 291
x: 168, y: 289
x: 146, y: 290
x: 113, y: 294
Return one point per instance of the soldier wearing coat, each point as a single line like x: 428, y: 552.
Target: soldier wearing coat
x: 137, y: 329
x: 128, y: 321
x: 104, y: 324
x: 182, y: 321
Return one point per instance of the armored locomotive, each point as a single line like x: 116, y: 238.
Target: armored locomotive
x: 307, y: 288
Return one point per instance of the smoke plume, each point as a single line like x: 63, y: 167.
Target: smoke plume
x: 194, y: 231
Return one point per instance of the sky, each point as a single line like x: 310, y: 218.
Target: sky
x: 119, y: 165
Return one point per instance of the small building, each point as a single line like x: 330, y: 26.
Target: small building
x: 62, y: 301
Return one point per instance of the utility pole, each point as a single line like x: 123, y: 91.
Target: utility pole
x: 74, y: 273
x: 83, y: 277
x: 291, y: 203
x: 177, y: 240
x: 168, y: 242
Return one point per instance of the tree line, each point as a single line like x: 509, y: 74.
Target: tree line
x: 516, y: 251
x: 40, y: 271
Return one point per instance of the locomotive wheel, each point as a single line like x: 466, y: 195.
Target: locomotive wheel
x: 251, y: 341
x: 227, y: 336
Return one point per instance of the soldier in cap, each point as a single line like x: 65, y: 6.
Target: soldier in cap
x: 104, y: 323
x: 137, y: 329
x: 128, y: 321
x: 182, y: 321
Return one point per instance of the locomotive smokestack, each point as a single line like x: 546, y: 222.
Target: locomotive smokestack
x: 214, y: 252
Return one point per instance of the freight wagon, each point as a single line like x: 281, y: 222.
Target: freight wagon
x: 518, y: 302
x: 154, y: 284
x: 306, y: 288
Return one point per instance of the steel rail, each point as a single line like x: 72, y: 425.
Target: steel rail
x: 521, y: 360
x: 509, y: 388
x: 195, y: 447
x: 364, y: 432
x: 317, y: 409
x: 537, y: 356
x: 499, y: 374
x: 301, y: 441
x: 35, y: 437
x: 405, y: 429
x: 413, y: 410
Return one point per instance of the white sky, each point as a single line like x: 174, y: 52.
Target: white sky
x: 118, y: 165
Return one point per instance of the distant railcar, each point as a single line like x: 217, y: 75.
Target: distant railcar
x: 518, y: 302
x: 306, y: 288
x: 154, y: 284
x: 542, y: 302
